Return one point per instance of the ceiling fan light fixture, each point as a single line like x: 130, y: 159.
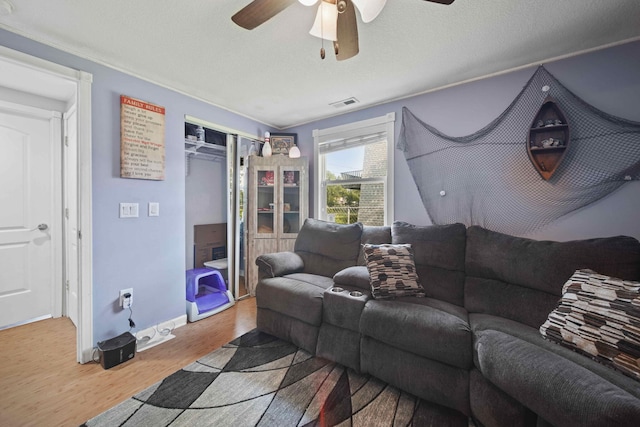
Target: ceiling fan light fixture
x: 308, y: 2
x: 369, y: 9
x: 326, y: 24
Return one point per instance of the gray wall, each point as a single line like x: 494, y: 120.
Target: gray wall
x: 608, y: 79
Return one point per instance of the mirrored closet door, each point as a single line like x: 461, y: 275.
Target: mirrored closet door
x: 215, y: 197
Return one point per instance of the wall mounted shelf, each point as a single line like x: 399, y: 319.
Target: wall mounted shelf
x: 204, y: 150
x: 548, y: 138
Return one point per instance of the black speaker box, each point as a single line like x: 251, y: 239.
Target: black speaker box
x: 117, y: 350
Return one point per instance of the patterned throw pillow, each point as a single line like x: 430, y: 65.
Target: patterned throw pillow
x: 599, y: 316
x: 392, y: 271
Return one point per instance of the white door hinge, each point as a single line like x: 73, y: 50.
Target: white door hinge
x: 66, y: 213
x: 67, y: 285
x: 66, y: 141
x: 79, y: 234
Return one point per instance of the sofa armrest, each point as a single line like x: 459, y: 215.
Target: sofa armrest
x: 279, y: 264
x: 357, y: 276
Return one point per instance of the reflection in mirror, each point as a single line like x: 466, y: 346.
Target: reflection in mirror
x: 245, y: 148
x: 214, y: 201
x: 205, y: 196
x: 206, y: 224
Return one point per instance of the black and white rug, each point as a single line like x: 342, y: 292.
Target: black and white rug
x: 259, y: 380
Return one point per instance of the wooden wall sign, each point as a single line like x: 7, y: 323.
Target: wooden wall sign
x: 141, y: 139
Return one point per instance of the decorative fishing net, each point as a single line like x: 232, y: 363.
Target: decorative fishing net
x: 488, y: 178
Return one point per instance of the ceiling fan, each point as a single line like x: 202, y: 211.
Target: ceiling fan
x: 335, y: 19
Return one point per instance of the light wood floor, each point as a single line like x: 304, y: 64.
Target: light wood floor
x: 41, y: 384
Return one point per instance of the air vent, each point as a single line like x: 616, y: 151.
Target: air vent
x: 344, y: 102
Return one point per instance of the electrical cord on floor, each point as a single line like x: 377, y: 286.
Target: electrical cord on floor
x: 94, y: 354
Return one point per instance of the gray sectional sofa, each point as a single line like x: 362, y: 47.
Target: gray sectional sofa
x: 472, y: 344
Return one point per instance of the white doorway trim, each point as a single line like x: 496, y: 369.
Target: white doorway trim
x: 80, y: 95
x: 85, y: 223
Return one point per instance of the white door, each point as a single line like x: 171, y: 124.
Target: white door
x: 71, y: 276
x: 27, y: 152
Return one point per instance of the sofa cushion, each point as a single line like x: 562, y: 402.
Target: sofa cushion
x: 296, y: 295
x: 424, y: 326
x: 425, y: 378
x: 521, y: 279
x: 508, y: 300
x: 295, y: 331
x: 557, y: 389
x: 375, y: 235
x: 486, y: 322
x: 599, y: 316
x: 327, y: 247
x: 392, y: 272
x: 439, y: 252
x: 357, y: 276
x: 493, y: 407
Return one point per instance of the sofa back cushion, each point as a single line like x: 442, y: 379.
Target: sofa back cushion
x: 373, y: 235
x: 439, y: 252
x: 521, y: 279
x: 327, y: 247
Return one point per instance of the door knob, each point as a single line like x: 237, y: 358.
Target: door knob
x: 41, y: 227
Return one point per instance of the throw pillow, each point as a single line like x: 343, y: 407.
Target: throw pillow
x: 392, y: 271
x: 599, y: 316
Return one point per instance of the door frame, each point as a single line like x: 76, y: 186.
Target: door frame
x: 81, y: 97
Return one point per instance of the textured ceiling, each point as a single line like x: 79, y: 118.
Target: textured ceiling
x: 274, y: 73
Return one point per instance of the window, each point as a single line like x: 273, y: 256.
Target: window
x: 354, y: 172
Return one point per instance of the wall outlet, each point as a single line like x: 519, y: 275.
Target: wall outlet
x: 126, y: 298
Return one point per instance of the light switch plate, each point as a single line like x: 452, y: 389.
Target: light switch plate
x: 128, y: 210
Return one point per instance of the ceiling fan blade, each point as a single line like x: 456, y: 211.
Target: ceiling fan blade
x: 259, y: 11
x: 347, y: 43
x: 441, y: 1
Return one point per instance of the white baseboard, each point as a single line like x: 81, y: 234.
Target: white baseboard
x: 158, y: 334
x: 180, y: 320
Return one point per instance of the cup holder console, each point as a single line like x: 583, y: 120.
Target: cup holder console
x: 354, y: 294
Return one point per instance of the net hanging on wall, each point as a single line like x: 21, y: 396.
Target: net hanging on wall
x: 488, y: 179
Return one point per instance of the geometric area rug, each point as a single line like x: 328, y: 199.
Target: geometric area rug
x: 260, y: 380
